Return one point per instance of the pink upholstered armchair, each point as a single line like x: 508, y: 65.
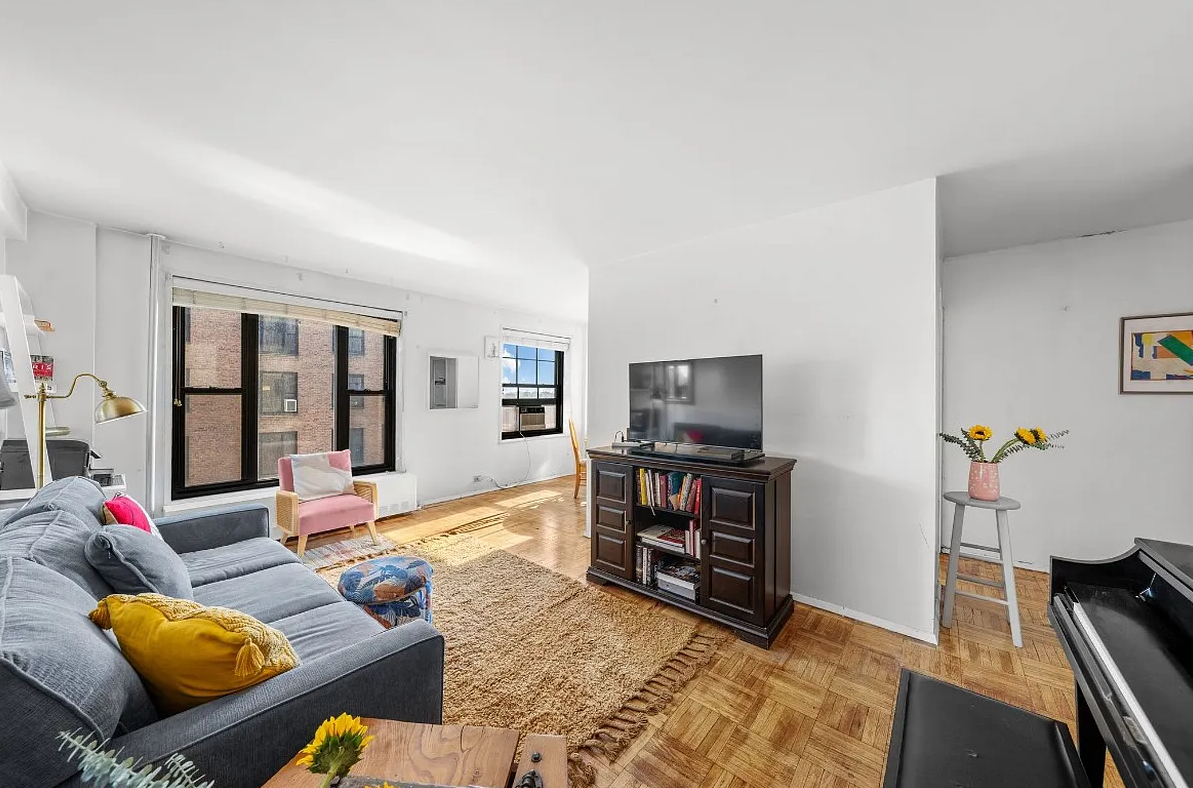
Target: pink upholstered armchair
x: 303, y: 518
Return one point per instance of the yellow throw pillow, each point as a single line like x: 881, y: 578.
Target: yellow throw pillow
x: 188, y: 654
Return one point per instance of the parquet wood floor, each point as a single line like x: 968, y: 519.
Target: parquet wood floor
x: 812, y: 712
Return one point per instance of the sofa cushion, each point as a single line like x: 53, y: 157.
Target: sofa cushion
x: 58, y: 672
x: 235, y: 560
x: 56, y: 539
x: 133, y: 561
x: 339, y: 511
x: 324, y: 630
x: 80, y: 496
x: 271, y: 594
x: 189, y: 654
x: 122, y: 510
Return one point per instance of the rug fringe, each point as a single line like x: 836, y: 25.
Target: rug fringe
x: 624, y: 725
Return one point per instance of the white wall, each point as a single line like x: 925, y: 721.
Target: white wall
x: 842, y: 302
x: 56, y: 265
x: 1032, y: 338
x: 122, y: 348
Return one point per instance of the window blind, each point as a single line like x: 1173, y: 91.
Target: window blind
x: 537, y: 339
x: 259, y: 304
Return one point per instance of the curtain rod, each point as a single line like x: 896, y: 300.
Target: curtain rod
x: 535, y: 333
x: 281, y: 293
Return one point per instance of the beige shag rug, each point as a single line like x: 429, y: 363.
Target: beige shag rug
x: 539, y: 652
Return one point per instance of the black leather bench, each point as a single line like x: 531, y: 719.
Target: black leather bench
x: 945, y: 736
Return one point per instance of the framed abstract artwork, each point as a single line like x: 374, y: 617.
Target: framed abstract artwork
x: 1156, y: 354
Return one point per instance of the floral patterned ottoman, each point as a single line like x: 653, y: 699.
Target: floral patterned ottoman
x: 392, y: 589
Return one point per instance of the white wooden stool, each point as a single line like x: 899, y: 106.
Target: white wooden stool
x: 1003, y: 551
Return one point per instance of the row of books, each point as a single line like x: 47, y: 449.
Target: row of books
x: 644, y: 567
x: 686, y: 539
x: 674, y: 490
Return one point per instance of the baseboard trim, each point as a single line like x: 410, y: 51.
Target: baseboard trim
x: 866, y: 618
x: 1018, y: 564
x: 493, y: 488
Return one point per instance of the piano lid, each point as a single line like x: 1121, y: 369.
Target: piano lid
x: 1176, y: 558
x: 1155, y: 658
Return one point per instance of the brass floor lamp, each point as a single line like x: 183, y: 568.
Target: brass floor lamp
x: 110, y: 408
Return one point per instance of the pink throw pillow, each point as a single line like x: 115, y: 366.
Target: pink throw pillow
x: 122, y: 510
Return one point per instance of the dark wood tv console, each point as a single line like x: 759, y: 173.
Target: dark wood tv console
x: 744, y: 528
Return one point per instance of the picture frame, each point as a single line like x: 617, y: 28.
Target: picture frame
x: 1156, y: 354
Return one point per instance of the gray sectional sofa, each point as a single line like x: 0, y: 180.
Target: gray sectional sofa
x: 58, y: 671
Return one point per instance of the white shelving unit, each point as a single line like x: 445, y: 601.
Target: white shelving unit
x: 22, y: 338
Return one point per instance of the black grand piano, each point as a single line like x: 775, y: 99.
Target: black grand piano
x: 1126, y: 625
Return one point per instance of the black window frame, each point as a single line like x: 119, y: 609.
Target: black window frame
x: 249, y: 392
x: 356, y: 403
x: 556, y: 399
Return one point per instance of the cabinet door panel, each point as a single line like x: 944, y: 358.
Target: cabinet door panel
x: 732, y: 507
x: 610, y: 519
x: 609, y: 553
x: 731, y: 548
x: 612, y: 483
x: 731, y: 581
x: 731, y: 591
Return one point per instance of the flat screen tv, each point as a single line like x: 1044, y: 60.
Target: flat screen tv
x: 707, y: 401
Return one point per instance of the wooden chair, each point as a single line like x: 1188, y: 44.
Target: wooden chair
x: 581, y: 461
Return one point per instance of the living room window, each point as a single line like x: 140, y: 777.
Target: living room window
x: 237, y: 381
x: 531, y: 390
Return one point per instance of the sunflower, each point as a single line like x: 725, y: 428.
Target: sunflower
x: 1026, y: 435
x: 337, y: 746
x: 979, y: 432
x: 1041, y: 436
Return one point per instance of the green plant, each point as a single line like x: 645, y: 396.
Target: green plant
x: 105, y: 768
x: 972, y: 441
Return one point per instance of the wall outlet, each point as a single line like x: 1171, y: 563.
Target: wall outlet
x: 478, y: 478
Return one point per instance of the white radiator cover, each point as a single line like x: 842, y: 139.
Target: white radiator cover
x: 397, y: 493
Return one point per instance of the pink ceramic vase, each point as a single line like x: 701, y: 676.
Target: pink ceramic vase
x: 983, y: 481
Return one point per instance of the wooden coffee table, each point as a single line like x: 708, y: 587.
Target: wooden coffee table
x: 457, y: 755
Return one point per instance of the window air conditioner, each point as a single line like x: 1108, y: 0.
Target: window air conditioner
x: 290, y: 406
x: 532, y: 417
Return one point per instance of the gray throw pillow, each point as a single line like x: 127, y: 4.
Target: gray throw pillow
x: 136, y: 562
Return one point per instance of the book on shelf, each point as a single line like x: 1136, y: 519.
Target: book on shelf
x: 684, y: 539
x: 644, y: 572
x: 675, y: 491
x: 677, y: 577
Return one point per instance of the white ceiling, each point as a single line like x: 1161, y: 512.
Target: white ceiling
x: 494, y: 150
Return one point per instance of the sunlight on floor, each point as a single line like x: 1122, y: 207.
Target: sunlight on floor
x: 528, y: 499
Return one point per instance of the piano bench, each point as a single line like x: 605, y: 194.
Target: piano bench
x: 945, y: 736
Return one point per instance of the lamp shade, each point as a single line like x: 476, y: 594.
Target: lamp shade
x: 112, y: 407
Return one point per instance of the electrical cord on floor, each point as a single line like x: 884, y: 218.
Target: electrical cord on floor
x: 525, y: 476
